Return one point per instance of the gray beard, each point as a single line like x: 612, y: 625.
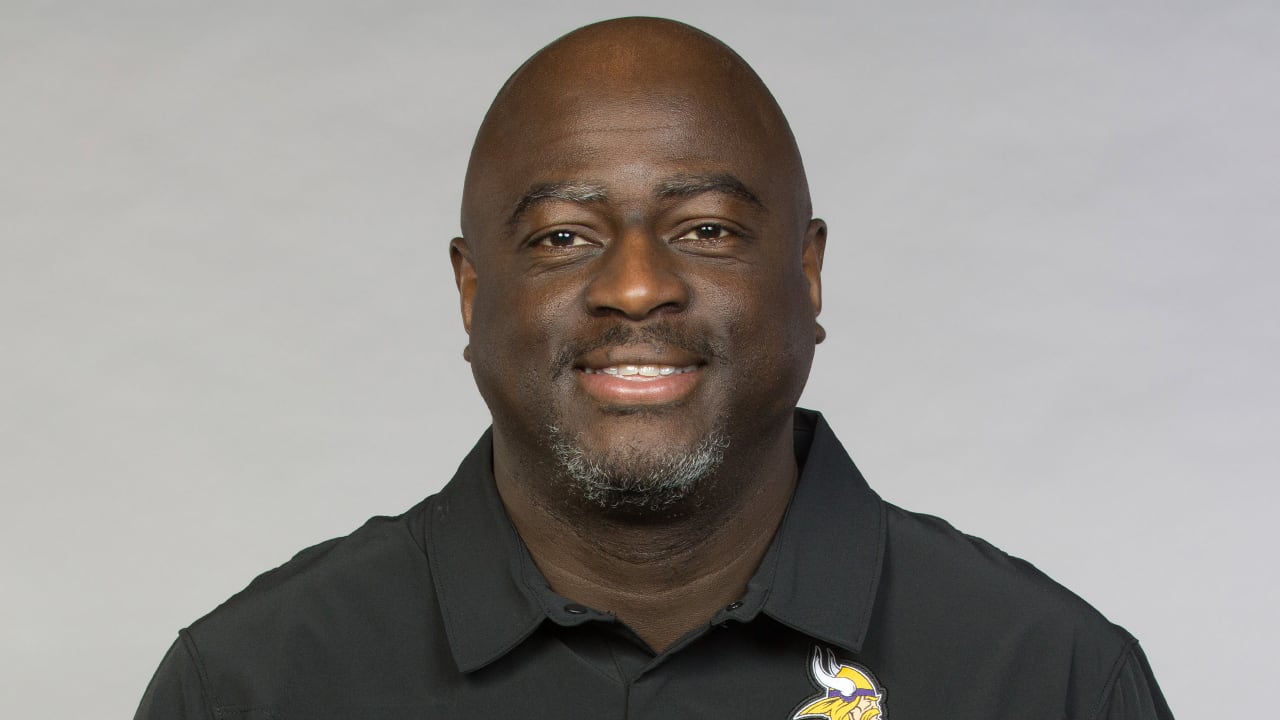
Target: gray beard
x: 630, y: 480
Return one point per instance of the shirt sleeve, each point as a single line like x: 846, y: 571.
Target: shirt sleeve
x: 176, y: 692
x: 1134, y: 692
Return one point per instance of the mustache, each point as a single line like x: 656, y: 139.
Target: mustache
x: 664, y: 335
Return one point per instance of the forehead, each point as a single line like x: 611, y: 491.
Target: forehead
x: 626, y: 103
x: 627, y: 141
x: 605, y: 132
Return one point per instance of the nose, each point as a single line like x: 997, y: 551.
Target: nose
x: 636, y: 276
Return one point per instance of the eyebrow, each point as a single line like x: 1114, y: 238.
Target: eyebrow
x: 570, y: 192
x: 682, y: 186
x: 677, y: 186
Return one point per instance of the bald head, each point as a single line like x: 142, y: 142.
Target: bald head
x: 629, y: 75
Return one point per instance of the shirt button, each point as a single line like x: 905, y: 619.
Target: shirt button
x: 734, y: 605
x: 575, y: 609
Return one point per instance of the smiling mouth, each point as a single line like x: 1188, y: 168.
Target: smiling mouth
x: 640, y: 373
x: 639, y: 383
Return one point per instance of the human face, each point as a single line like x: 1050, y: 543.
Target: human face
x: 639, y: 275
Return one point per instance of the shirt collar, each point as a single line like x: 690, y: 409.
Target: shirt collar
x: 819, y: 575
x: 479, y: 564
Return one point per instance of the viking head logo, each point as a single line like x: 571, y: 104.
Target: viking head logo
x: 850, y: 692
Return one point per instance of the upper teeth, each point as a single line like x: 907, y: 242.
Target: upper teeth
x: 642, y: 370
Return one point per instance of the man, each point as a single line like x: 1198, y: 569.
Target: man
x: 651, y: 528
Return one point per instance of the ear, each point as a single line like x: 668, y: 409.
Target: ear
x: 815, y: 244
x: 464, y: 274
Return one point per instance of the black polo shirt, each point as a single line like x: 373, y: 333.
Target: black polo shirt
x: 857, y: 605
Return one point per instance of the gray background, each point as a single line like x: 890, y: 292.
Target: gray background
x: 230, y: 329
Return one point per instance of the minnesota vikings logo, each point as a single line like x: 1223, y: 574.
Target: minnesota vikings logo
x: 850, y: 692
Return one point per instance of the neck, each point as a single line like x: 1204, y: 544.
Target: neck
x: 663, y: 575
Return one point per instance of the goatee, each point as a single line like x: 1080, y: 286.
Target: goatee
x: 633, y: 480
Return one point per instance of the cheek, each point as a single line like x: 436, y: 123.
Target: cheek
x: 777, y: 337
x: 772, y: 309
x: 517, y: 315
x: 518, y: 329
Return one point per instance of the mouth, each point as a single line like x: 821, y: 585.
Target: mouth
x: 640, y: 373
x: 633, y: 376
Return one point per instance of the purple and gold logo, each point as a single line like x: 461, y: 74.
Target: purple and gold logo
x: 849, y: 691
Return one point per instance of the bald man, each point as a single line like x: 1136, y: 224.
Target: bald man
x: 651, y: 528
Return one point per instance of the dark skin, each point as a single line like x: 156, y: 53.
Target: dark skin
x: 635, y: 196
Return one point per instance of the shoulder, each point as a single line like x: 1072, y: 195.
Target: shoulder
x: 336, y: 570
x: 997, y: 615
x: 970, y: 581
x: 336, y: 605
x: 932, y: 549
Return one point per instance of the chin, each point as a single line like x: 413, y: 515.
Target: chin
x: 636, y: 477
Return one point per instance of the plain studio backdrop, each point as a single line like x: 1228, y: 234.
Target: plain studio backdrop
x: 230, y: 328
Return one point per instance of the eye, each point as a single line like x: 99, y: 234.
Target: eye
x: 561, y: 239
x: 707, y: 232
